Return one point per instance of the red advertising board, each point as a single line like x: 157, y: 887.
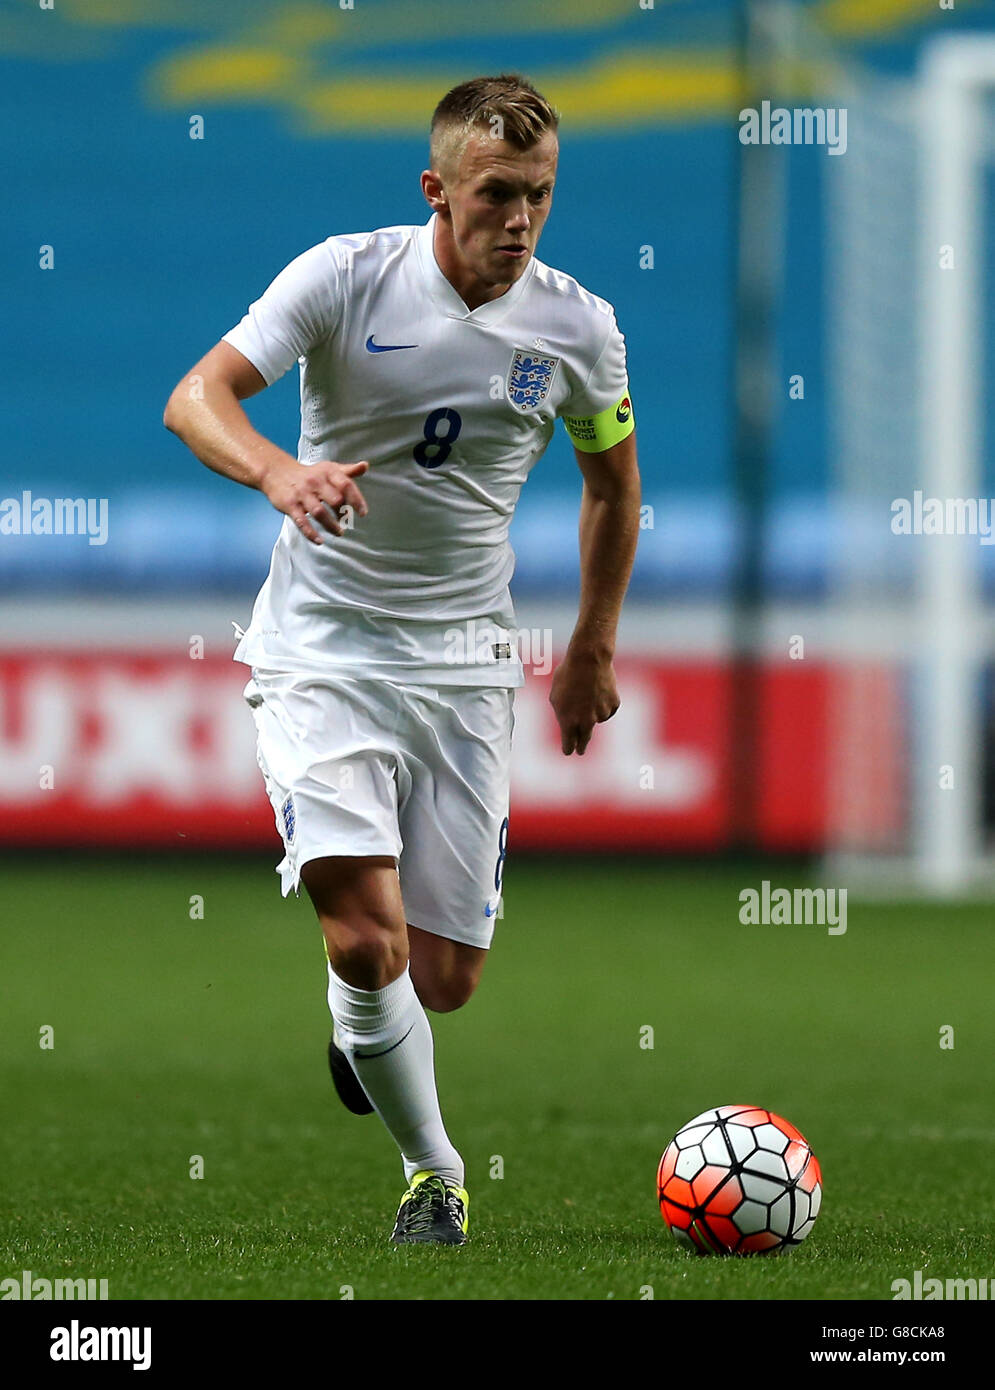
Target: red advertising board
x: 114, y: 747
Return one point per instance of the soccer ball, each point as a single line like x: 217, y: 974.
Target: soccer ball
x: 739, y: 1180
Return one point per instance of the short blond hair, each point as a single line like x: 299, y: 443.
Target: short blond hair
x: 507, y: 106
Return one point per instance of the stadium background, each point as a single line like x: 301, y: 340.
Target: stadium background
x: 122, y: 728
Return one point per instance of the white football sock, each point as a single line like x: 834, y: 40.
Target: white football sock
x: 387, y: 1037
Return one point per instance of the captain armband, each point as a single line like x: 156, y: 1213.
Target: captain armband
x: 593, y: 433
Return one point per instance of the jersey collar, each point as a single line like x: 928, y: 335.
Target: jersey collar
x: 446, y: 297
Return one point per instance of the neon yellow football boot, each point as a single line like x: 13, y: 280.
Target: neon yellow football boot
x: 433, y: 1210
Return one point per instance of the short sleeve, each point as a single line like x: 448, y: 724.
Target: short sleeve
x: 607, y: 381
x: 298, y: 310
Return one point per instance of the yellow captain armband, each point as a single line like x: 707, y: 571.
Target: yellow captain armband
x: 593, y: 433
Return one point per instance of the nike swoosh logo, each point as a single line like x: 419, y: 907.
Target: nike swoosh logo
x: 371, y: 346
x: 365, y: 1056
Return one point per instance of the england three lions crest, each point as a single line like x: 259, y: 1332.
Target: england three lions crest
x: 529, y: 378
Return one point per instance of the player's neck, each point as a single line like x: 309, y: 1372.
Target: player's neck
x: 472, y: 290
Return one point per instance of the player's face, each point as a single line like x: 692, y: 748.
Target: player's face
x: 495, y: 210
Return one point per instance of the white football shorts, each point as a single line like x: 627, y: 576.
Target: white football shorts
x: 370, y: 767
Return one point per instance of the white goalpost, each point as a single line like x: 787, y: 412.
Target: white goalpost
x: 956, y: 73
x: 907, y: 232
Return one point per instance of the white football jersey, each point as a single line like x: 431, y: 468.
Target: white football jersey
x: 452, y: 408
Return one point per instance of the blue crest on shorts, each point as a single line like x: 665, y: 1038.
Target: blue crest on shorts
x: 529, y: 378
x: 289, y: 819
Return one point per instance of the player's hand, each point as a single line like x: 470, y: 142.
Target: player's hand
x: 316, y: 494
x: 583, y: 693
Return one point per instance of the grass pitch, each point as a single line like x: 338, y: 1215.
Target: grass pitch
x: 177, y: 1039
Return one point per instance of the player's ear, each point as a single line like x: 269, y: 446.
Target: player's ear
x: 435, y: 194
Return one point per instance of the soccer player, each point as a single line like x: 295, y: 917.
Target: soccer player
x: 434, y: 360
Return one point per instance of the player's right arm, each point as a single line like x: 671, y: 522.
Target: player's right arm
x: 205, y: 411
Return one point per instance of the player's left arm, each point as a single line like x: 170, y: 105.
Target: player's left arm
x: 584, y: 691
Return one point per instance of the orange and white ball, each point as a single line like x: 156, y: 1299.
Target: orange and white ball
x: 739, y: 1180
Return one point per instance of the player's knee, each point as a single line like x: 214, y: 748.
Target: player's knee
x: 367, y: 954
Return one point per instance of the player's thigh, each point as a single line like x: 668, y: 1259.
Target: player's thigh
x: 358, y: 903
x: 454, y: 821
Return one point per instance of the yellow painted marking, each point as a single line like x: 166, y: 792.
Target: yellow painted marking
x: 226, y: 74
x: 860, y: 18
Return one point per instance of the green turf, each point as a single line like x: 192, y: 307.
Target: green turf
x: 176, y: 1037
